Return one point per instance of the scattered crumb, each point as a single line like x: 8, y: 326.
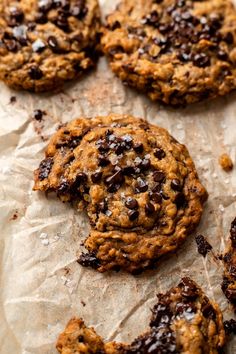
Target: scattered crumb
x: 203, y: 245
x: 221, y: 208
x: 12, y: 99
x: 14, y: 216
x: 45, y: 242
x: 43, y: 235
x: 230, y: 326
x: 83, y: 303
x: 225, y: 162
x: 38, y: 114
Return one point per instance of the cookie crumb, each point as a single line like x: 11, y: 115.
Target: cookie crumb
x: 38, y: 114
x: 203, y: 245
x: 225, y: 162
x: 12, y: 99
x: 230, y: 326
x: 83, y: 303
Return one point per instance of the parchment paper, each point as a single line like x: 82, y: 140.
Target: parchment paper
x: 42, y: 285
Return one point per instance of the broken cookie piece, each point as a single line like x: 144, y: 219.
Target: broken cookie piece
x: 225, y: 162
x: 183, y: 321
x: 138, y: 185
x: 229, y: 279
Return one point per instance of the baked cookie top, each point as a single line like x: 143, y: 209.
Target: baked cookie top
x: 177, y: 51
x: 45, y: 42
x: 229, y: 259
x: 184, y: 321
x: 138, y: 185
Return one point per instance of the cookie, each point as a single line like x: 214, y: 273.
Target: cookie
x: 138, y: 185
x: 176, y: 51
x: 184, y: 321
x: 46, y: 42
x: 229, y: 259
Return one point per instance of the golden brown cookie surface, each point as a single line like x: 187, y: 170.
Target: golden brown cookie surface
x: 46, y: 42
x: 138, y: 185
x: 183, y: 321
x: 229, y: 280
x: 175, y: 51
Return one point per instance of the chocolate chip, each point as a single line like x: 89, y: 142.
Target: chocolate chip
x: 16, y: 14
x: 159, y: 153
x: 102, y: 206
x: 203, y: 245
x: 176, y: 185
x: 152, y: 19
x: 157, y: 188
x: 156, y: 197
x: 45, y: 168
x: 64, y: 187
x: 131, y: 203
x: 80, y: 339
x: 38, y: 46
x: 201, y: 60
x: 35, y: 72
x: 41, y: 18
x: 103, y: 161
x: 53, y: 44
x: 230, y: 326
x: 38, y: 114
x: 222, y: 55
x: 112, y: 188
x: 31, y: 26
x: 149, y: 208
x: 11, y: 45
x: 80, y: 178
x: 12, y: 99
x: 45, y: 5
x: 138, y: 147
x: 89, y: 260
x: 133, y: 214
x: 228, y: 38
x: 62, y: 22
x: 79, y: 10
x: 158, y: 176
x: 141, y: 186
x: 115, y: 25
x: 96, y: 177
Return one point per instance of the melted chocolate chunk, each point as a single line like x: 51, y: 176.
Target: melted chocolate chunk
x: 79, y: 10
x: 45, y: 168
x: 180, y: 200
x: 16, y: 15
x: 207, y: 309
x: 103, y: 161
x: 53, y: 44
x: 203, y: 245
x: 156, y: 197
x: 89, y: 260
x: 35, y: 72
x: 189, y: 289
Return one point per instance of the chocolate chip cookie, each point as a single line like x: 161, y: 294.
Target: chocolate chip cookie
x: 229, y: 280
x: 46, y: 42
x: 138, y: 185
x: 183, y: 321
x: 176, y: 51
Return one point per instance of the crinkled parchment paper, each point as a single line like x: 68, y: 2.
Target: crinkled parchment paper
x: 42, y: 285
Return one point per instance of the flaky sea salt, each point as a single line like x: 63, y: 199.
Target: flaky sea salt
x: 221, y: 207
x: 43, y: 235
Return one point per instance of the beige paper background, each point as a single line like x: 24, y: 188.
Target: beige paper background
x: 42, y: 285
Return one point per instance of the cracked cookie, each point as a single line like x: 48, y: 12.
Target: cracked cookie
x: 183, y: 321
x: 46, y: 42
x: 229, y: 279
x: 177, y: 52
x: 138, y: 185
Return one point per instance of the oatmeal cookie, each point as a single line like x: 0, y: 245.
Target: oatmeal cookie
x: 138, y: 185
x: 176, y: 51
x: 183, y: 321
x: 229, y: 280
x: 46, y: 42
